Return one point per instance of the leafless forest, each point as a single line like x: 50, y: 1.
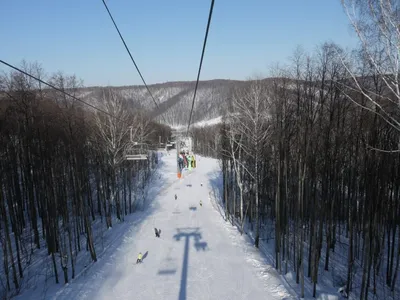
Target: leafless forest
x: 313, y: 153
x: 174, y: 99
x: 62, y: 168
x: 309, y: 156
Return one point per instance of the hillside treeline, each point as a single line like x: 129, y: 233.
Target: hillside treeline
x: 300, y: 156
x: 62, y: 170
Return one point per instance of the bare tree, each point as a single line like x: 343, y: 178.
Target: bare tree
x: 249, y: 112
x: 376, y: 24
x: 56, y: 157
x: 236, y: 152
x: 113, y: 132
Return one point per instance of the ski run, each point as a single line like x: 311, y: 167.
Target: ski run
x: 198, y: 256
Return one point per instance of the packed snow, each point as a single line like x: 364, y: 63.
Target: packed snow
x: 210, y: 122
x: 198, y: 256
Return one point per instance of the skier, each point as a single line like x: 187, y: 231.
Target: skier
x: 157, y: 232
x: 201, y: 184
x: 201, y: 203
x: 176, y: 197
x: 139, y: 259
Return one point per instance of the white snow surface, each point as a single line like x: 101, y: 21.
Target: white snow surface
x: 204, y: 123
x: 198, y: 257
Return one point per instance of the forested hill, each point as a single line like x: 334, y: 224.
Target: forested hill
x: 174, y: 99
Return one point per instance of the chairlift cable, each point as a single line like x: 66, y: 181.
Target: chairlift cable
x: 58, y: 89
x: 130, y: 55
x: 201, y: 62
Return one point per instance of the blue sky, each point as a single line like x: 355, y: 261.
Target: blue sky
x: 165, y: 37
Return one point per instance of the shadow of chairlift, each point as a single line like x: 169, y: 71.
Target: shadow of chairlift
x: 167, y: 272
x: 201, y: 246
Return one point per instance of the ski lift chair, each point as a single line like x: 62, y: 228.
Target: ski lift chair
x: 137, y: 151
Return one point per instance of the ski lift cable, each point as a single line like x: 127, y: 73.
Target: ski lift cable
x: 140, y: 156
x: 130, y: 55
x: 201, y: 62
x: 57, y: 89
x: 60, y: 90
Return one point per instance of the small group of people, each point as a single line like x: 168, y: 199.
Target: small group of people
x: 158, y: 232
x: 201, y: 202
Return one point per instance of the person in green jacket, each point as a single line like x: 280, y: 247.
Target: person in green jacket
x: 139, y: 259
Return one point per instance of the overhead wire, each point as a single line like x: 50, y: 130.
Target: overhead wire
x: 130, y: 55
x: 57, y: 89
x: 137, y: 68
x: 201, y: 62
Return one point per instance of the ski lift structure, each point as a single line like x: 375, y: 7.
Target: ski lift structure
x: 140, y: 150
x: 136, y: 150
x: 164, y: 146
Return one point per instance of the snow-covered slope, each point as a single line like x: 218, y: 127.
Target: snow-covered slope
x: 195, y: 258
x: 174, y: 99
x: 210, y: 122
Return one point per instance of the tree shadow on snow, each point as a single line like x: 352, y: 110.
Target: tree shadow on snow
x: 216, y: 183
x: 109, y: 242
x: 266, y: 257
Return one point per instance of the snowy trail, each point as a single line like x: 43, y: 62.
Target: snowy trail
x: 195, y: 258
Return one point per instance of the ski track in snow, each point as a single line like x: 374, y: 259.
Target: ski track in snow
x: 209, y: 260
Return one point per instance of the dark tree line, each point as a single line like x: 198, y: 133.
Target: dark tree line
x: 297, y: 154
x: 62, y: 167
x: 314, y: 152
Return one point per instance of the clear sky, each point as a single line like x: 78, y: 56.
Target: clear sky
x: 165, y: 36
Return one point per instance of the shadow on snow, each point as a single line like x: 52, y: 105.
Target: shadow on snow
x: 104, y: 269
x: 185, y: 235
